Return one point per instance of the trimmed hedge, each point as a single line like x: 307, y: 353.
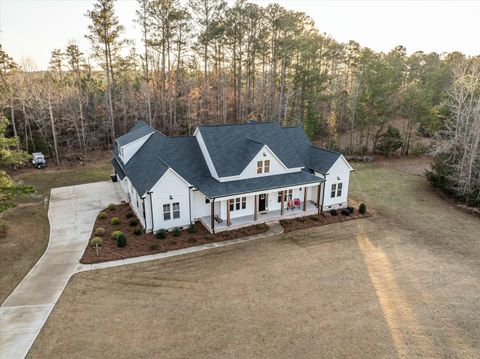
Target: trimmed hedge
x: 137, y: 230
x: 129, y: 214
x: 112, y: 206
x: 362, y: 208
x: 176, y: 232
x: 122, y: 241
x: 333, y: 212
x: 99, y: 231
x: 96, y: 240
x: 102, y: 215
x: 133, y: 221
x: 192, y: 228
x: 114, y: 221
x: 161, y: 234
x: 346, y: 212
x: 116, y: 234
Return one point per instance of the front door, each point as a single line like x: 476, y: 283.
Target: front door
x: 262, y: 200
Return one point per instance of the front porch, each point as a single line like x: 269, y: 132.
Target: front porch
x: 262, y: 217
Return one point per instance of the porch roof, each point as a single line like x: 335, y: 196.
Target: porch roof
x: 215, y: 189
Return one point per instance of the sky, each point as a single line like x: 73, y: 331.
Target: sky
x: 31, y: 29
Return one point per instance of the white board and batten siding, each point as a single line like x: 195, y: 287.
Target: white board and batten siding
x: 134, y: 199
x: 170, y: 189
x: 338, y: 173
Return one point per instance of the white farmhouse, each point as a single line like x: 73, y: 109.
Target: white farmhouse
x: 227, y: 176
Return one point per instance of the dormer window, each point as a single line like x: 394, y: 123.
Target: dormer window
x: 263, y: 166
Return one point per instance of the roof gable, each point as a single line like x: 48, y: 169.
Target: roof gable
x: 139, y: 130
x: 232, y: 147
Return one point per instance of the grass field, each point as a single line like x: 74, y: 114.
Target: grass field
x: 28, y: 223
x: 403, y: 283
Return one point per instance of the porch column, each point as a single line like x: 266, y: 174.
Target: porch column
x: 282, y: 209
x: 228, y: 213
x: 212, y: 215
x: 318, y: 198
x: 255, y: 208
x: 305, y: 198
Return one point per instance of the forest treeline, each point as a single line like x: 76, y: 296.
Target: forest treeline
x: 206, y: 62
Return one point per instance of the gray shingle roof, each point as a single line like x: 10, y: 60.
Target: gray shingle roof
x: 139, y: 130
x: 232, y: 147
x: 118, y: 169
x: 183, y: 155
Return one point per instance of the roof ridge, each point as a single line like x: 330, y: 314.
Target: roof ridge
x: 326, y: 149
x: 235, y: 124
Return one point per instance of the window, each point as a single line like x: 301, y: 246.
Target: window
x: 266, y: 167
x: 339, y: 190
x: 334, y: 189
x: 259, y: 167
x: 236, y: 204
x: 166, y: 212
x: 287, y: 194
x: 176, y: 210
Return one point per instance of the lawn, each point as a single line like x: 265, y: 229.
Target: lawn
x: 402, y: 283
x: 28, y: 223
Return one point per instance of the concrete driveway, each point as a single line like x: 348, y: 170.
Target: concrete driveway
x: 72, y: 212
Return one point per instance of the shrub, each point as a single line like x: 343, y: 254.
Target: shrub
x: 333, y: 212
x: 116, y: 234
x: 99, y: 231
x: 362, y: 208
x: 3, y: 230
x: 121, y: 240
x: 137, y: 230
x: 115, y: 221
x: 350, y: 209
x: 154, y: 247
x: 315, y: 218
x: 346, y: 212
x: 161, y: 234
x: 102, y: 215
x: 192, y: 228
x: 96, y: 240
x: 129, y: 214
x: 176, y: 232
x: 112, y: 206
x: 133, y: 221
x: 208, y: 237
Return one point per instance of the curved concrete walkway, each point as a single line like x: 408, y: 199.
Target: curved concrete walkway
x: 72, y: 212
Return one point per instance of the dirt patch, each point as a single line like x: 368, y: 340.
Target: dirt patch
x: 321, y: 219
x: 147, y: 243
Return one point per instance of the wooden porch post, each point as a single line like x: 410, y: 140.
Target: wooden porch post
x: 228, y: 213
x: 212, y: 216
x: 255, y: 208
x: 282, y: 209
x: 305, y: 198
x: 318, y: 198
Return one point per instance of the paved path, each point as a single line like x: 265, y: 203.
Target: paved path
x: 71, y: 213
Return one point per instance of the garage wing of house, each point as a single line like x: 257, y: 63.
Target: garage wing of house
x: 227, y: 176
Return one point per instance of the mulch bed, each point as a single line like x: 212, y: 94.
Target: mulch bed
x: 321, y: 219
x: 147, y: 243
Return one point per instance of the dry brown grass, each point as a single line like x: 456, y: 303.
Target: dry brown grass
x: 403, y: 283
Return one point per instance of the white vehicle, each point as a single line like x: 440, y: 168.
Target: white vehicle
x: 38, y: 160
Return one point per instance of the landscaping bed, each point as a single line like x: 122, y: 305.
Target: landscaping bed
x: 148, y: 243
x: 321, y: 219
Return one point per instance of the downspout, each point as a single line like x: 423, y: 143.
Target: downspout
x: 323, y: 195
x: 190, y: 203
x: 151, y: 209
x: 144, y: 212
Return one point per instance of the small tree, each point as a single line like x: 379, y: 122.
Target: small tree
x: 389, y: 142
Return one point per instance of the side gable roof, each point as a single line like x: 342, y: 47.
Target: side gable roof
x: 139, y: 130
x: 232, y: 147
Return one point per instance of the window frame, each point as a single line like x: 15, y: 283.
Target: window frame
x: 288, y: 194
x: 244, y: 203
x: 339, y: 189
x: 259, y: 167
x: 176, y: 212
x: 266, y: 166
x: 237, y: 204
x: 333, y: 190
x: 166, y: 212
